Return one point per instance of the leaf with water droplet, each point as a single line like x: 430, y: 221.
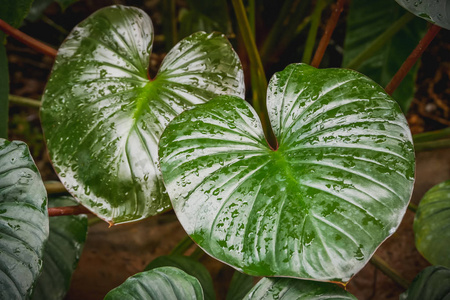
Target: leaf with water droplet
x: 319, y: 205
x: 102, y: 117
x: 23, y: 221
x: 434, y: 11
x: 159, y: 283
x: 287, y: 289
x: 61, y: 253
x: 432, y: 223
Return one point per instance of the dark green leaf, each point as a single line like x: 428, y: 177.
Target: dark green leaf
x: 434, y: 11
x: 240, y: 285
x: 432, y: 225
x: 366, y: 21
x: 433, y: 283
x: 204, y: 15
x: 61, y: 253
x: 191, y: 267
x: 156, y: 284
x: 14, y: 11
x: 102, y: 117
x: 23, y: 221
x: 290, y: 289
x: 4, y: 90
x: 318, y: 206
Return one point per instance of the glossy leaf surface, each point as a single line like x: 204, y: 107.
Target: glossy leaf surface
x: 433, y: 283
x: 204, y: 15
x: 366, y: 21
x: 61, y: 253
x: 290, y: 289
x: 23, y: 220
x: 434, y: 11
x: 320, y: 205
x: 102, y: 117
x: 191, y: 267
x: 156, y: 284
x: 432, y: 225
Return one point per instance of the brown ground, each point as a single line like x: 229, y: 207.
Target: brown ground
x: 113, y: 254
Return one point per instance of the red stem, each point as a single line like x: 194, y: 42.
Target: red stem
x: 412, y: 59
x: 27, y: 40
x: 67, y: 211
x: 325, y: 40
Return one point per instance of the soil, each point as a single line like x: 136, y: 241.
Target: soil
x: 113, y: 254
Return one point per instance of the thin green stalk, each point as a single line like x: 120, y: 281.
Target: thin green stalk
x: 54, y: 187
x: 4, y: 89
x: 384, y: 267
x: 431, y: 135
x: 182, y: 246
x: 311, y: 39
x: 252, y: 17
x: 24, y: 101
x: 197, y: 254
x: 380, y: 41
x: 51, y: 23
x: 412, y: 207
x: 255, y: 61
x: 431, y: 145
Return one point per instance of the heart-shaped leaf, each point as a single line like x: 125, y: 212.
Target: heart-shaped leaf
x: 318, y: 206
x: 433, y: 283
x: 434, y: 11
x: 102, y: 117
x: 23, y: 220
x: 287, y: 289
x: 432, y: 225
x: 61, y: 253
x: 160, y: 283
x: 191, y: 267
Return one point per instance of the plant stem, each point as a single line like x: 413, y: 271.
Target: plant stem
x: 412, y: 207
x: 67, y: 211
x: 412, y: 59
x: 182, y: 246
x: 255, y: 62
x: 24, y: 101
x: 431, y: 145
x: 197, y: 254
x: 431, y: 135
x: 325, y: 40
x: 311, y: 39
x: 27, y: 40
x: 379, y: 42
x: 384, y: 267
x: 51, y: 23
x: 93, y: 221
x: 54, y: 187
x: 4, y: 89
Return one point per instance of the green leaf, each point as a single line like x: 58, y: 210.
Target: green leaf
x: 204, y: 15
x: 432, y: 223
x: 366, y: 21
x: 61, y: 253
x: 102, y: 117
x: 23, y: 220
x: 14, y: 11
x: 37, y: 9
x: 318, y: 206
x: 240, y: 285
x: 4, y: 90
x: 160, y: 283
x: 433, y: 283
x: 287, y: 289
x: 191, y: 267
x: 434, y: 11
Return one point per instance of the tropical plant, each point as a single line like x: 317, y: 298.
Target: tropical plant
x: 306, y: 183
